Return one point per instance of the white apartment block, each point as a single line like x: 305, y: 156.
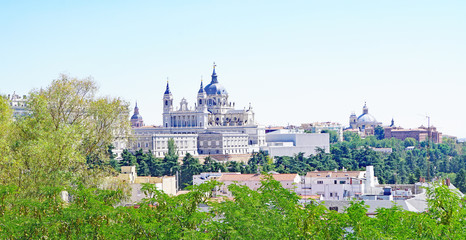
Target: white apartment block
x: 340, y: 185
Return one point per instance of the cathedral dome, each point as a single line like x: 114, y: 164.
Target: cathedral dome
x: 136, y: 116
x: 215, y: 88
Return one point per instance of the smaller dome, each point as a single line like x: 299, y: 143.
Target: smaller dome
x: 367, y: 118
x: 136, y: 116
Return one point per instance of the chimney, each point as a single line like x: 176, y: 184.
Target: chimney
x: 447, y: 182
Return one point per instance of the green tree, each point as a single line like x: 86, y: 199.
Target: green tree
x: 460, y: 180
x: 379, y: 132
x: 65, y: 137
x: 190, y: 167
x: 333, y: 135
x: 171, y: 164
x: 351, y: 136
x: 410, y: 142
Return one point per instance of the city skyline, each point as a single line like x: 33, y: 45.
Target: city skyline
x: 295, y: 62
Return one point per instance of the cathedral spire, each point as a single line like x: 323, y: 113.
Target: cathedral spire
x: 167, y: 91
x: 214, y: 75
x: 201, y: 89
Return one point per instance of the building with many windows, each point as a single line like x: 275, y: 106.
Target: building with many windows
x: 213, y: 119
x: 18, y: 104
x: 420, y: 134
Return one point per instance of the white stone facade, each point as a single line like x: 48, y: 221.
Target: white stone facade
x: 212, y: 114
x: 185, y: 143
x: 18, y: 104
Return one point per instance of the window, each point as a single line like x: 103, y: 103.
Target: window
x: 342, y: 182
x: 335, y: 181
x: 331, y: 194
x: 320, y: 182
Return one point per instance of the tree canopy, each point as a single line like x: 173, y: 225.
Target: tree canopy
x: 65, y: 137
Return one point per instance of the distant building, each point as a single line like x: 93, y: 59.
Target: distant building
x: 317, y: 127
x: 18, y: 104
x: 136, y: 119
x: 420, y: 134
x: 365, y: 123
x: 213, y: 123
x: 410, y: 197
x: 339, y: 185
x: 289, y: 144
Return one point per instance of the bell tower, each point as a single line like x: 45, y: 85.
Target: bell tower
x: 167, y: 106
x: 201, y: 99
x: 167, y: 100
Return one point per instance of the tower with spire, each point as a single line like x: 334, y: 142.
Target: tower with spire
x: 201, y: 104
x: 167, y: 102
x: 136, y: 119
x: 217, y: 96
x: 167, y: 99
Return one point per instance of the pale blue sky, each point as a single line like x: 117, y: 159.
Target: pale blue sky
x: 295, y: 61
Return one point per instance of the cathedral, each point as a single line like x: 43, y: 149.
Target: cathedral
x: 212, y: 109
x: 365, y: 123
x: 211, y: 126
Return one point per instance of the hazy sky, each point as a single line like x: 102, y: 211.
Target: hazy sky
x: 295, y: 61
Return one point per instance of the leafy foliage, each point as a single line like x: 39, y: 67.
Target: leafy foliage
x: 271, y: 212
